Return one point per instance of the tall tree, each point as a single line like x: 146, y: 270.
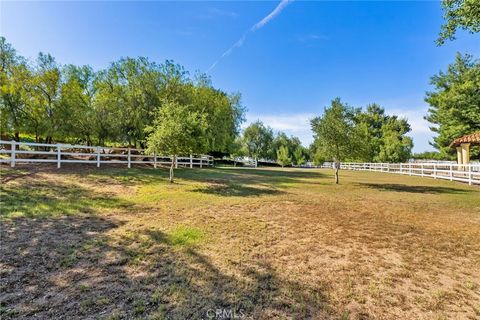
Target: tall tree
x: 283, y: 158
x: 395, y: 146
x: 387, y: 140
x: 46, y: 94
x: 337, y: 136
x: 459, y: 14
x: 78, y: 99
x: 455, y: 103
x: 176, y: 131
x: 14, y: 76
x: 299, y: 155
x: 258, y: 140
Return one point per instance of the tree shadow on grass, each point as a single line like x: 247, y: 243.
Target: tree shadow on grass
x: 235, y: 175
x: 72, y: 267
x: 35, y: 198
x: 237, y: 190
x: 415, y: 189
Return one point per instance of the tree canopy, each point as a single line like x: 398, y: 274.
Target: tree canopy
x: 114, y: 106
x: 455, y: 103
x: 176, y: 130
x: 258, y: 140
x: 337, y: 136
x: 459, y: 14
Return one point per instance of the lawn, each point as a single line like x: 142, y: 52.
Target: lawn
x: 221, y: 243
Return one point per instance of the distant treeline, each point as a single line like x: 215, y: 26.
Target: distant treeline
x: 115, y: 106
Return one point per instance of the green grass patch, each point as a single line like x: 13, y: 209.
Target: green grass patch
x: 185, y: 236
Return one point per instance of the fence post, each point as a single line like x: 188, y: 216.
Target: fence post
x: 12, y: 155
x: 469, y: 174
x: 421, y: 166
x: 59, y: 156
x: 176, y: 162
x: 191, y: 161
x: 129, y: 159
x: 155, y: 160
x: 434, y: 171
x: 409, y: 169
x: 201, y: 161
x: 98, y: 157
x: 451, y: 173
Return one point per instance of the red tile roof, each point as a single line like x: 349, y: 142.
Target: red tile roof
x: 469, y: 138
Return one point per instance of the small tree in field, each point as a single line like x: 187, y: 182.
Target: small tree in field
x: 336, y: 135
x: 282, y: 156
x: 176, y: 130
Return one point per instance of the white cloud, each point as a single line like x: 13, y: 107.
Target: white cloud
x: 297, y: 124
x: 254, y: 28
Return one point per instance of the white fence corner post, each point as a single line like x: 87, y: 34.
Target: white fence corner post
x: 155, y: 160
x: 98, y: 157
x: 176, y: 162
x: 13, y: 153
x: 129, y: 159
x: 451, y: 173
x: 191, y: 161
x: 59, y: 156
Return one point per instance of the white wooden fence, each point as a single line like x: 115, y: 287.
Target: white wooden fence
x: 22, y: 152
x: 469, y: 173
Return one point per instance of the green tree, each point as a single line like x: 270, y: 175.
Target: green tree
x: 455, y: 103
x: 386, y: 135
x: 133, y: 86
x: 258, y: 140
x: 237, y: 150
x: 14, y: 75
x: 337, y: 136
x: 299, y: 155
x: 282, y: 156
x: 176, y: 130
x: 282, y: 140
x: 459, y: 14
x: 78, y: 101
x: 395, y: 147
x: 317, y: 156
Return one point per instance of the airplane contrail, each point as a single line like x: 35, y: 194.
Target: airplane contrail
x: 278, y: 9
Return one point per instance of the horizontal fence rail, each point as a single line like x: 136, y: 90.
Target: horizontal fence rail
x: 469, y: 173
x: 27, y: 152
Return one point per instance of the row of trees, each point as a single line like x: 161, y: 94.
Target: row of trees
x: 344, y: 133
x: 116, y: 106
x: 258, y: 141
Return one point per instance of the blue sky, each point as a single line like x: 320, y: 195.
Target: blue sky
x: 287, y: 68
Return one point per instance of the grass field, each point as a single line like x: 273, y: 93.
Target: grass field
x: 254, y: 244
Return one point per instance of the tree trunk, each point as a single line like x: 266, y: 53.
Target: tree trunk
x: 17, y: 136
x: 337, y: 167
x: 171, y: 169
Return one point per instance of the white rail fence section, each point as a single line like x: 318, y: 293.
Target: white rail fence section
x: 469, y: 173
x: 25, y: 152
